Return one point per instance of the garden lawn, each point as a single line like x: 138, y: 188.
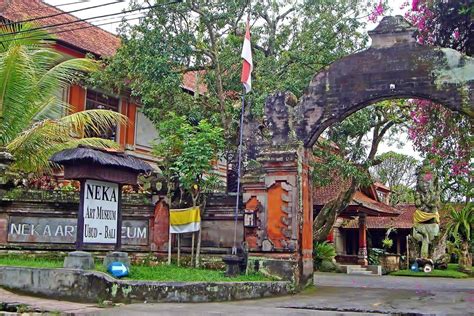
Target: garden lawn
x: 451, y: 272
x: 31, y: 262
x: 161, y: 272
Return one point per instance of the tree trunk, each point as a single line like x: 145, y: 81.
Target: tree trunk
x: 324, y: 221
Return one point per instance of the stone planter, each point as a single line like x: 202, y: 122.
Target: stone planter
x: 389, y: 262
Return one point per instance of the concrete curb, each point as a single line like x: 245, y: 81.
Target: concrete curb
x: 92, y: 287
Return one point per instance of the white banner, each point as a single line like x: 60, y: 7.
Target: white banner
x: 100, y: 212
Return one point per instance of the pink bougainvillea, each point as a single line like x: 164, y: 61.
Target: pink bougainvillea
x: 438, y: 133
x: 441, y: 135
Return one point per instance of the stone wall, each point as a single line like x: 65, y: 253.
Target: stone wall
x: 46, y: 220
x: 93, y: 287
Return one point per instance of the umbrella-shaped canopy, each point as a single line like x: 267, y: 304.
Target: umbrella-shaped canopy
x: 99, y: 164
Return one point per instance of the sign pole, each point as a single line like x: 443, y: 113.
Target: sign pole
x: 80, y: 218
x: 118, y: 244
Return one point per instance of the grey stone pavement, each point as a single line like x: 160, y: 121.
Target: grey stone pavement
x: 333, y: 294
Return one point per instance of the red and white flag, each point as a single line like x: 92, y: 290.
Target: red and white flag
x: 247, y: 66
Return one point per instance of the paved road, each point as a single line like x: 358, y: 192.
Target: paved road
x: 340, y: 294
x: 334, y: 294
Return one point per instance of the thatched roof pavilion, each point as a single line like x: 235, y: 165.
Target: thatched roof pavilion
x: 99, y: 164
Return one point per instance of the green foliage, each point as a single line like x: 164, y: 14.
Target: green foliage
x: 323, y: 252
x: 345, y: 150
x: 31, y: 73
x: 387, y: 243
x: 187, y: 152
x: 291, y: 41
x: 374, y: 254
x: 398, y: 172
x: 460, y: 223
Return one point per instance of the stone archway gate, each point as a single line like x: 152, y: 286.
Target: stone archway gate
x: 276, y: 186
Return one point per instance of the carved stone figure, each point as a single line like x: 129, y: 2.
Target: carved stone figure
x: 427, y: 200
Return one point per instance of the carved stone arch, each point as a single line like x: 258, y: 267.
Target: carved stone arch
x: 395, y: 66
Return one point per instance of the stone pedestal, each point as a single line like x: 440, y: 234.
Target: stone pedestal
x: 233, y: 265
x: 117, y: 256
x: 79, y: 260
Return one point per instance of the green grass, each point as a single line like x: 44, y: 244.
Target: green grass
x: 164, y: 272
x: 22, y: 261
x: 160, y: 272
x: 451, y: 272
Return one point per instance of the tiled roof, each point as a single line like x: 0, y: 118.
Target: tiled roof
x: 361, y: 199
x: 190, y: 78
x: 91, y: 39
x: 402, y: 221
x: 323, y: 195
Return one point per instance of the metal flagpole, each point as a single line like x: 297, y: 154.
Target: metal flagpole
x: 239, y: 163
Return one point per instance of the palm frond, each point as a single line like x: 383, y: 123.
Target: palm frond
x: 34, y: 147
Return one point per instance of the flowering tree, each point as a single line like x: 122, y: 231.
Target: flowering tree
x: 442, y: 136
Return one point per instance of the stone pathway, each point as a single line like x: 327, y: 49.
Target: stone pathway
x: 50, y: 305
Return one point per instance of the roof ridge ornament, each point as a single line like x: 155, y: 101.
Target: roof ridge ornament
x: 392, y: 30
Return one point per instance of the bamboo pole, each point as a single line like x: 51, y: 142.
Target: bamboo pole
x: 169, y: 247
x: 179, y: 248
x: 192, y: 249
x: 198, y: 248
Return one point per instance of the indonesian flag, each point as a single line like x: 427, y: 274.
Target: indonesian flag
x: 247, y: 66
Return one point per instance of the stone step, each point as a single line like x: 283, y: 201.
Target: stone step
x: 357, y: 269
x: 361, y: 272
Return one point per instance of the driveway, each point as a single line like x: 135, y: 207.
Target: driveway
x: 333, y: 294
x: 340, y: 294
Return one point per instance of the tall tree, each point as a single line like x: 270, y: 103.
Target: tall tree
x: 291, y: 40
x: 398, y: 171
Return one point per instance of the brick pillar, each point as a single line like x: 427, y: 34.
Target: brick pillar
x: 279, y: 192
x: 362, y: 255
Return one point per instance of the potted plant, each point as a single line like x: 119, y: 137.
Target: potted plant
x: 389, y: 262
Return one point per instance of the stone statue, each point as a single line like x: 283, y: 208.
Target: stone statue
x: 427, y: 201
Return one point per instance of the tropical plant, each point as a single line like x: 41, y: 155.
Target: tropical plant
x: 459, y: 228
x: 387, y: 243
x: 31, y: 74
x: 374, y: 255
x: 323, y: 252
x: 187, y: 152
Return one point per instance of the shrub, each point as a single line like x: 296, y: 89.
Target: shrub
x: 323, y: 252
x: 374, y: 254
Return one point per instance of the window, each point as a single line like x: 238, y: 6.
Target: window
x: 98, y: 101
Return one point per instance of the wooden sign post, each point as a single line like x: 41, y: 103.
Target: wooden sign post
x: 101, y: 174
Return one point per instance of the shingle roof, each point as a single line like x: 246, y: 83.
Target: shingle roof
x: 92, y: 39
